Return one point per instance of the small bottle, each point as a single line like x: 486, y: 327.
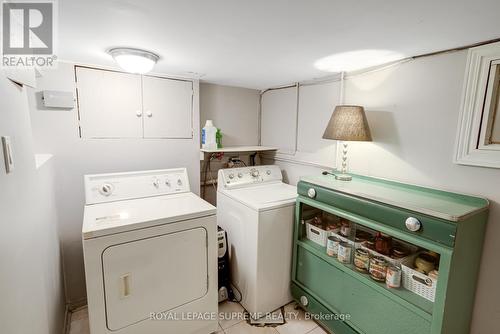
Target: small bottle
x: 218, y: 138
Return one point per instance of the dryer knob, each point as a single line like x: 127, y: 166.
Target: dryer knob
x: 106, y: 189
x: 255, y: 173
x: 311, y: 193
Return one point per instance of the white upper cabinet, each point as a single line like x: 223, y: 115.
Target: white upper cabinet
x: 279, y: 119
x: 168, y: 111
x: 109, y: 104
x: 122, y: 105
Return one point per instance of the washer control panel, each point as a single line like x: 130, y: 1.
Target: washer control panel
x: 100, y: 188
x: 240, y: 177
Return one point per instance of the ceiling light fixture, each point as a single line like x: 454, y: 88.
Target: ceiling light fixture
x: 356, y: 60
x: 134, y: 60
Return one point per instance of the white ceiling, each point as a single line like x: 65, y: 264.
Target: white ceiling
x: 264, y: 43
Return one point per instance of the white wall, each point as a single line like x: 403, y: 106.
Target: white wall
x: 56, y: 132
x: 413, y: 112
x: 31, y: 280
x: 236, y: 112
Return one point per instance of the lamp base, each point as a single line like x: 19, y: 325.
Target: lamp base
x: 343, y: 177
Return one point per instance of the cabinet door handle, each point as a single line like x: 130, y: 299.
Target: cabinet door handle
x: 149, y: 113
x: 138, y: 113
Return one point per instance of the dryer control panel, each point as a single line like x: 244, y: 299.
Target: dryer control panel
x: 240, y: 177
x: 101, y: 188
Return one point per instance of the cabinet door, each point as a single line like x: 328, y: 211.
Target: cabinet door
x: 109, y: 104
x: 279, y: 119
x: 168, y: 111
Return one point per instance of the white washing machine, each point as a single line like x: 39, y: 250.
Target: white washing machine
x: 150, y: 254
x: 256, y: 209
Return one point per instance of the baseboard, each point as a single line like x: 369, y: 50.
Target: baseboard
x: 67, y: 319
x: 76, y: 304
x: 70, y: 308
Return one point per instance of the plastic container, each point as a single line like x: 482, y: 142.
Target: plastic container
x: 209, y: 136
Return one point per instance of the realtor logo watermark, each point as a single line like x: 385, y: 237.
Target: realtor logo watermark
x: 28, y: 30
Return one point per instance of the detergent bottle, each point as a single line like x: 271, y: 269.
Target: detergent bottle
x: 208, y: 136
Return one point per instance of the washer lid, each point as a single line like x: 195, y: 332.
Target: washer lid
x: 120, y: 216
x: 264, y: 197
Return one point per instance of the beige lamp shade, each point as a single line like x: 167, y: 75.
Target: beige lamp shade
x: 348, y: 123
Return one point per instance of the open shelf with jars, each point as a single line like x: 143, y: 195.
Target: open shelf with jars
x: 374, y: 257
x: 389, y: 267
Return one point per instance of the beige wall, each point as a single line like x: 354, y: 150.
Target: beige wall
x: 56, y: 131
x: 31, y: 280
x: 413, y: 111
x: 236, y: 112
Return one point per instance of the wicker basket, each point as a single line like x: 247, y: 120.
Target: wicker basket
x: 417, y: 282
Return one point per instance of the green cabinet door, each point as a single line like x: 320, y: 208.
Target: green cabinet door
x: 369, y: 311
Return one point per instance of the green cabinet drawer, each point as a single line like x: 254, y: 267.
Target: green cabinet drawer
x: 433, y: 229
x: 370, y: 311
x: 321, y: 314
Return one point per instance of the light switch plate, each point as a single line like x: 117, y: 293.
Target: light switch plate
x: 7, y: 154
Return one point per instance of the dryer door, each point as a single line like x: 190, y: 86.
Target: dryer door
x: 153, y: 275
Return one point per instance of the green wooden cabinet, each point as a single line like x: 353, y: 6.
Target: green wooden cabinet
x: 347, y: 301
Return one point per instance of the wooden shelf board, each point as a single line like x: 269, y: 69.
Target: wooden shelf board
x: 230, y: 149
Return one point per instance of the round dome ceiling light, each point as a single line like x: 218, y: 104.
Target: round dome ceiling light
x: 134, y: 60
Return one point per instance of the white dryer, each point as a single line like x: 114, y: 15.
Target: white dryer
x: 256, y: 209
x: 150, y: 254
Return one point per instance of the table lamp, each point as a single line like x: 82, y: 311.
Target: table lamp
x: 348, y: 123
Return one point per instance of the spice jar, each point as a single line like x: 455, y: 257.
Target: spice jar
x: 399, y: 252
x: 362, y: 260
x: 345, y: 228
x: 333, y: 228
x: 332, y: 246
x: 344, y: 252
x: 317, y: 221
x: 378, y: 268
x: 383, y: 243
x: 362, y: 236
x: 393, y: 277
x: 370, y: 243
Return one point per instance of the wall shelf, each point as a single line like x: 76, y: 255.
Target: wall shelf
x: 235, y: 149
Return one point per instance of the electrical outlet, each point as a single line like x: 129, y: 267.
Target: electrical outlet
x: 7, y: 154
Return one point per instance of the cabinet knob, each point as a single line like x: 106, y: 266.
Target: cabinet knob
x: 311, y: 193
x: 413, y: 224
x: 149, y: 113
x: 304, y: 301
x: 138, y: 113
